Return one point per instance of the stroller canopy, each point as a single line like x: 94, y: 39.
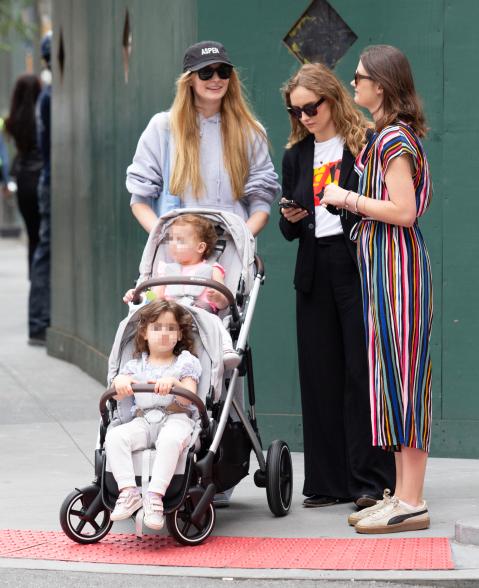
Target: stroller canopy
x: 237, y: 257
x: 208, y: 345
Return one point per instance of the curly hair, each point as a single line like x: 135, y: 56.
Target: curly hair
x: 151, y: 313
x: 204, y: 230
x: 348, y: 120
x: 390, y: 68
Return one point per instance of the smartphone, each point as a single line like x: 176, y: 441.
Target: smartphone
x: 292, y: 204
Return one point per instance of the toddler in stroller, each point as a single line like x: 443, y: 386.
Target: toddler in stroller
x: 191, y: 241
x: 216, y: 454
x: 163, y: 346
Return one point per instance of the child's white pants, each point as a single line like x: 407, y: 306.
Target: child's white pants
x: 173, y: 436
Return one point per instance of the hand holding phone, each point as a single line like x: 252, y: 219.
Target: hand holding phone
x: 291, y: 204
x: 292, y: 211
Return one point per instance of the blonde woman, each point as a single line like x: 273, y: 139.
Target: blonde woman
x: 327, y: 133
x: 207, y: 151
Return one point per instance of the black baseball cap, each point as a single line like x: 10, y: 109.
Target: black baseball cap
x: 203, y: 54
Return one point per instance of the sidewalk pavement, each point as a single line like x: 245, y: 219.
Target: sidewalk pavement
x: 49, y: 423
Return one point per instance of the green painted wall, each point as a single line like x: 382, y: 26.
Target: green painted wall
x: 442, y: 47
x: 98, y: 119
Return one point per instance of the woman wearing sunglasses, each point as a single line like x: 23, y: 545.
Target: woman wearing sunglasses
x: 327, y: 132
x: 394, y: 190
x: 207, y: 151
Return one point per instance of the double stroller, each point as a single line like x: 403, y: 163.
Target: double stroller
x: 218, y: 456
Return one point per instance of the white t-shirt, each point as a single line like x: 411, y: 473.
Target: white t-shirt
x: 327, y: 165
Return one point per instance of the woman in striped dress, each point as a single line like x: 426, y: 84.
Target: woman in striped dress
x: 394, y: 190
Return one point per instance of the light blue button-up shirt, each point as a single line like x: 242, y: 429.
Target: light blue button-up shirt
x: 145, y: 175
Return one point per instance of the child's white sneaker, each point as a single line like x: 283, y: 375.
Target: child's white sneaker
x: 128, y: 502
x: 153, y: 511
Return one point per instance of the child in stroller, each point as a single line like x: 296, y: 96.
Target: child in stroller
x: 191, y: 241
x: 163, y: 346
x: 217, y: 456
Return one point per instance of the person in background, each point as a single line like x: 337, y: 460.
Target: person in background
x: 20, y: 125
x: 4, y: 162
x: 39, y: 299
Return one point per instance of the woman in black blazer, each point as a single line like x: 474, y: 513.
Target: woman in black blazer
x: 327, y: 132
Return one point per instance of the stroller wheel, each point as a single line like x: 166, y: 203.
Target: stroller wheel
x: 83, y: 516
x: 180, y: 526
x: 279, y: 478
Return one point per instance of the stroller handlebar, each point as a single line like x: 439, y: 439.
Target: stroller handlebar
x: 176, y: 390
x: 190, y: 281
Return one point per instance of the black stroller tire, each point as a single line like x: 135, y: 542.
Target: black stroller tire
x: 78, y: 527
x: 279, y: 478
x: 181, y: 528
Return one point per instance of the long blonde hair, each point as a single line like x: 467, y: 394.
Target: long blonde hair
x: 350, y: 123
x: 238, y: 129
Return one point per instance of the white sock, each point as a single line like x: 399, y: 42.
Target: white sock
x: 132, y: 490
x: 410, y: 507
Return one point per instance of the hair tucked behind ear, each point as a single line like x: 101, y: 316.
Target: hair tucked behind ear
x: 390, y: 68
x: 348, y: 120
x: 238, y: 129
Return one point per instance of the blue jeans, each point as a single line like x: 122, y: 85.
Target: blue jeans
x: 39, y: 299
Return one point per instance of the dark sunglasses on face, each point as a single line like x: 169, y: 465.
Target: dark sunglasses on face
x: 358, y: 77
x: 224, y: 72
x: 308, y: 109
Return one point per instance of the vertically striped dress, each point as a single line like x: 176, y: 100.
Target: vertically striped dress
x: 397, y: 298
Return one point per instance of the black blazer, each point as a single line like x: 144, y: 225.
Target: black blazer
x: 298, y: 185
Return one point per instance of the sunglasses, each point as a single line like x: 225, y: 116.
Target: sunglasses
x: 358, y: 77
x: 308, y: 109
x: 224, y: 72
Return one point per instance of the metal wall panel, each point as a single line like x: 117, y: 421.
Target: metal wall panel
x: 461, y: 210
x: 439, y: 40
x: 256, y: 47
x: 98, y: 118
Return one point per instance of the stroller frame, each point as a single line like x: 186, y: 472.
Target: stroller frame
x: 275, y: 471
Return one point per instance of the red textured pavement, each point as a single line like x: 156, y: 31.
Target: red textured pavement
x: 422, y: 553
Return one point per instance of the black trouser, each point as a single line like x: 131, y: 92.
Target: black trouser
x: 39, y: 299
x: 339, y: 459
x: 27, y: 198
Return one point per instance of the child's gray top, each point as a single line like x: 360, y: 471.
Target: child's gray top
x: 186, y: 365
x: 144, y: 177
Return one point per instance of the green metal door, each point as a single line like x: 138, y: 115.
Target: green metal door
x: 100, y: 110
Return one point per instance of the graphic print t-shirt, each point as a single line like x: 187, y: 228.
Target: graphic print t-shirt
x: 327, y: 165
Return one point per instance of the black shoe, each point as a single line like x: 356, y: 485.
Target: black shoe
x: 319, y: 500
x: 365, y: 501
x: 38, y: 339
x: 221, y: 500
